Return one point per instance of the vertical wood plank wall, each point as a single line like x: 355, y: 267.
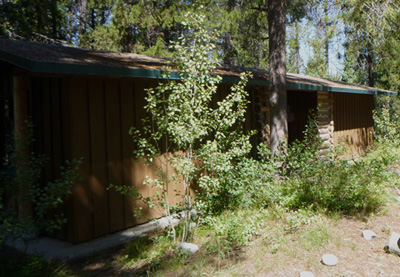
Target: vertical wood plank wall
x: 353, y: 122
x: 6, y: 107
x: 91, y: 118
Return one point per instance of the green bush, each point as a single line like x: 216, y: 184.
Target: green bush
x: 233, y: 229
x: 338, y: 187
x: 249, y: 183
x: 26, y: 186
x: 327, y: 183
x: 387, y: 122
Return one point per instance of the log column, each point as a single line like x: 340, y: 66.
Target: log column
x: 20, y: 95
x: 325, y: 119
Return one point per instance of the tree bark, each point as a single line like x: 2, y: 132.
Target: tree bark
x: 326, y: 42
x: 82, y: 16
x: 277, y: 72
x: 370, y: 61
x: 297, y: 48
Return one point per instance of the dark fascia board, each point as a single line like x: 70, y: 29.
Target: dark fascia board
x: 302, y: 86
x: 100, y: 70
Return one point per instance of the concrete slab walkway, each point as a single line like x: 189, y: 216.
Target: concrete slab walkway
x: 56, y: 249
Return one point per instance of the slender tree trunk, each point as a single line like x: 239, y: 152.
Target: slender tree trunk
x: 297, y: 47
x: 277, y: 71
x: 370, y: 61
x: 82, y: 16
x: 326, y: 42
x: 54, y: 25
x: 326, y: 52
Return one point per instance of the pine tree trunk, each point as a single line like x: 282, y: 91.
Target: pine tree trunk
x: 82, y: 16
x: 370, y: 61
x: 297, y: 48
x: 326, y: 42
x: 277, y: 71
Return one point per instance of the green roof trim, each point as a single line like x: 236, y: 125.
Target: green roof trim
x: 302, y: 86
x: 101, y: 70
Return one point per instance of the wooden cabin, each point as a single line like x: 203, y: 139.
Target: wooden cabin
x: 83, y: 103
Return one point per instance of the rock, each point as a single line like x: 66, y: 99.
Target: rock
x: 306, y: 274
x: 189, y: 248
x: 163, y: 223
x: 398, y: 198
x: 398, y: 172
x: 394, y: 243
x: 329, y: 259
x: 368, y: 234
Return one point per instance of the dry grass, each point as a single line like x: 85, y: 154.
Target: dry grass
x: 276, y: 251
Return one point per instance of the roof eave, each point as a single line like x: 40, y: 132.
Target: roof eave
x: 101, y: 70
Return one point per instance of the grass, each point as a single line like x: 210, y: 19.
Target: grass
x: 272, y: 250
x: 279, y: 239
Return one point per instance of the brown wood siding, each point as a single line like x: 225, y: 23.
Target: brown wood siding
x: 127, y: 121
x: 98, y: 141
x: 353, y: 125
x: 80, y: 214
x: 6, y: 108
x: 91, y: 118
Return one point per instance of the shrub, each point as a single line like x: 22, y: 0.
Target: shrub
x: 327, y: 183
x: 249, y: 183
x: 26, y: 185
x: 184, y: 138
x: 387, y: 122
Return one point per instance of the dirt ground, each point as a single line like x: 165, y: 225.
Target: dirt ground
x: 287, y: 255
x: 357, y: 256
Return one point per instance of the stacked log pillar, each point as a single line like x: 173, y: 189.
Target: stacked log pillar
x: 325, y: 120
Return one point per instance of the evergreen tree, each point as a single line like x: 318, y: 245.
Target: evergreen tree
x: 145, y: 27
x: 34, y: 20
x: 294, y: 60
x: 243, y: 26
x: 372, y: 42
x: 277, y: 71
x: 322, y: 20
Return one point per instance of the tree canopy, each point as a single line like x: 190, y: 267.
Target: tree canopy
x: 362, y: 36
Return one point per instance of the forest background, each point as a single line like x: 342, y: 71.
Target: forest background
x: 356, y: 41
x: 361, y: 36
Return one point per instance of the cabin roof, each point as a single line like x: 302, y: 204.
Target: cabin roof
x: 47, y: 58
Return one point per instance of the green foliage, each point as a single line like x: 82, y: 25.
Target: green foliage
x: 316, y: 237
x: 372, y: 42
x: 184, y: 138
x: 294, y: 60
x: 145, y: 27
x: 339, y: 187
x: 328, y: 184
x: 302, y: 155
x: 26, y: 186
x: 233, y: 229
x: 248, y: 183
x: 138, y: 248
x: 323, y: 21
x: 387, y: 122
x: 33, y: 20
x: 28, y: 265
